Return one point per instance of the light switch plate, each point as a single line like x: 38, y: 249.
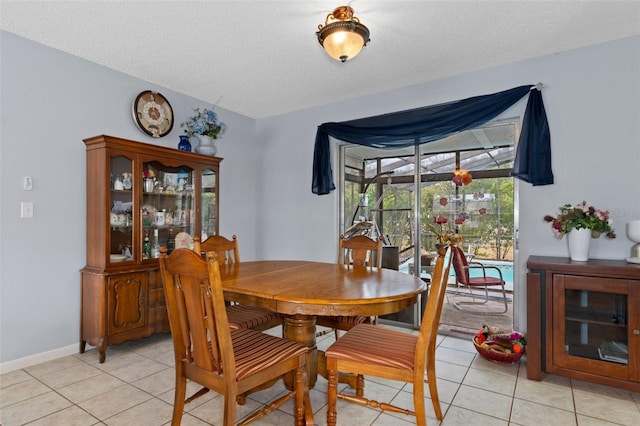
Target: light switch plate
x: 26, y: 209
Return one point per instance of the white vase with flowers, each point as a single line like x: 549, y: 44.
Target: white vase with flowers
x: 203, y: 129
x: 581, y: 223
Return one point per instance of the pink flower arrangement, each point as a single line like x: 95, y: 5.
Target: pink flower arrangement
x: 444, y: 234
x: 581, y: 216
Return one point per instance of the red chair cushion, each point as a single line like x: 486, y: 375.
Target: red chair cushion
x: 484, y: 281
x: 243, y: 316
x: 255, y: 351
x: 342, y: 321
x: 373, y: 344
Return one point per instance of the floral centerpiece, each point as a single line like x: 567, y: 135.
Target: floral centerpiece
x: 581, y: 216
x: 444, y: 233
x: 206, y: 128
x: 204, y: 123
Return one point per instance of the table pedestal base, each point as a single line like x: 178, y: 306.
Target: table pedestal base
x: 302, y: 329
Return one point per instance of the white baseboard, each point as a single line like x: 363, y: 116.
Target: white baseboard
x: 28, y: 361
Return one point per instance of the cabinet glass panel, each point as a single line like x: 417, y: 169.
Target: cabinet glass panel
x: 596, y: 325
x: 209, y: 203
x: 121, y: 201
x: 168, y: 208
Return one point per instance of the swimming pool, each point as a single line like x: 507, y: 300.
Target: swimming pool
x: 506, y: 268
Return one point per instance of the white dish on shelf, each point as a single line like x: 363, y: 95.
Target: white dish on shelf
x: 117, y: 257
x: 183, y: 240
x: 633, y: 260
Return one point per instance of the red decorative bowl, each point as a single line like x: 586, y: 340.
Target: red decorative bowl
x: 499, y: 357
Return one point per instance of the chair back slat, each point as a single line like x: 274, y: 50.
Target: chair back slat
x: 360, y: 250
x: 197, y: 314
x: 210, y: 321
x: 426, y: 344
x: 194, y: 293
x: 183, y: 324
x: 460, y: 265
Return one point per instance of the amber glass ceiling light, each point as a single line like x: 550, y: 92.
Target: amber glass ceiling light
x: 342, y: 36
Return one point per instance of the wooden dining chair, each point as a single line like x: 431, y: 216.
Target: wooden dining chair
x: 226, y: 250
x: 369, y: 350
x: 359, y: 251
x: 462, y: 265
x: 208, y: 352
x: 240, y: 316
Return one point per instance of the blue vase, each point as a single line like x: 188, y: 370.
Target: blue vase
x: 184, y: 144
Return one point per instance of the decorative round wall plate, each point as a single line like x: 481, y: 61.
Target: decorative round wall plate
x: 153, y: 114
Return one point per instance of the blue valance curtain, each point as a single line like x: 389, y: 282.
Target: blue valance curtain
x: 427, y: 124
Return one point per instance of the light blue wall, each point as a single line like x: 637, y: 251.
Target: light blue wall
x: 592, y: 99
x: 50, y: 101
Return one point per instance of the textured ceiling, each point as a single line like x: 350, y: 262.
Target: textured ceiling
x: 262, y: 58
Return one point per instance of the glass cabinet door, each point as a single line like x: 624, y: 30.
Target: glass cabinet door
x: 596, y: 325
x: 593, y: 312
x: 167, y: 209
x: 120, y: 214
x: 209, y: 204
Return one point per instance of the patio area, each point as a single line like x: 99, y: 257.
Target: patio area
x: 456, y: 322
x: 471, y: 320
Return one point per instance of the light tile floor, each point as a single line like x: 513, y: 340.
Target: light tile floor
x: 135, y: 387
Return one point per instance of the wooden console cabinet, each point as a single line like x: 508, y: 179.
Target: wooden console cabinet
x: 583, y: 320
x: 135, y: 191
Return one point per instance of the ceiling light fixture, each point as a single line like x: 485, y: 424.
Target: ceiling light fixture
x: 342, y: 36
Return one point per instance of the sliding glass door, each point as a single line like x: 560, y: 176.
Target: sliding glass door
x: 388, y: 194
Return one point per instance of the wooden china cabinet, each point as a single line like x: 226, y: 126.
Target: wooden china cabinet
x: 137, y: 194
x: 583, y: 320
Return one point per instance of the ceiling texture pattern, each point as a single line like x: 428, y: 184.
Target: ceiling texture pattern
x: 262, y: 58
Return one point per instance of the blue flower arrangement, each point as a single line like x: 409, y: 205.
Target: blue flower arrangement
x: 204, y: 123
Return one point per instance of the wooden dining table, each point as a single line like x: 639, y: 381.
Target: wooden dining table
x: 303, y: 290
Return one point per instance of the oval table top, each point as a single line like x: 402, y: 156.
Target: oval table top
x: 293, y: 287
